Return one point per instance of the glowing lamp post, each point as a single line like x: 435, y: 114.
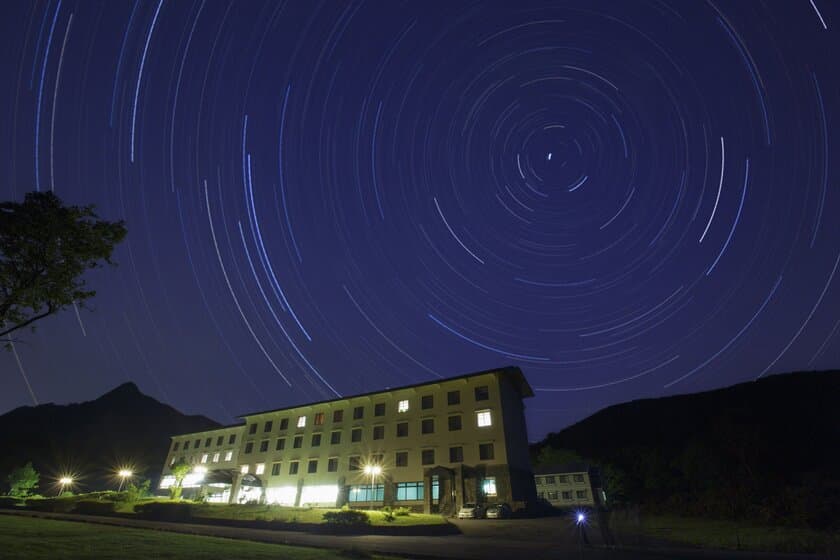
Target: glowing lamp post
x: 64, y: 481
x: 123, y: 474
x: 373, y: 471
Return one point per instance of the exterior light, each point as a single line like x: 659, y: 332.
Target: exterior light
x: 373, y: 470
x: 123, y: 474
x: 581, y: 518
x: 65, y: 480
x: 198, y: 469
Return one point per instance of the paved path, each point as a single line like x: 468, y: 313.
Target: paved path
x: 540, y: 539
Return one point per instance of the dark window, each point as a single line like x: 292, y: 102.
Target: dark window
x: 197, y: 443
x: 427, y: 426
x: 284, y: 424
x: 549, y: 480
x: 456, y: 454
x: 567, y: 494
x: 232, y: 439
x: 281, y: 444
x: 427, y: 402
x: 338, y: 415
x: 402, y: 459
x: 298, y: 442
x: 482, y: 393
x: 263, y: 446
x: 358, y: 413
x: 313, y: 466
x: 175, y: 446
x: 319, y: 418
x: 538, y: 480
x: 268, y: 426
x: 578, y: 478
x: 186, y: 445
x: 252, y: 429
x: 275, y: 469
x: 581, y: 494
x: 220, y: 440
x: 428, y: 456
x: 208, y: 441
x: 249, y: 447
x: 356, y: 435
x: 453, y: 397
x: 379, y: 409
x: 454, y: 423
x: 486, y: 451
x: 316, y: 440
x: 332, y: 464
x: 335, y: 438
x: 293, y: 467
x: 355, y: 463
x: 402, y: 429
x: 379, y: 432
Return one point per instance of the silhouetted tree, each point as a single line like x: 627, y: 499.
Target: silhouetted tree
x: 45, y: 247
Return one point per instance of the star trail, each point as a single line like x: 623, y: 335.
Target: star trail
x: 625, y: 199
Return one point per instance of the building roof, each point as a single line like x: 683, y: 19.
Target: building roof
x: 512, y: 372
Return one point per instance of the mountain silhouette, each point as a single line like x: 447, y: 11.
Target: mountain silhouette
x: 92, y: 440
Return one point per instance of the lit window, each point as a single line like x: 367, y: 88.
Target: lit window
x: 243, y: 469
x: 204, y: 458
x: 172, y: 461
x: 216, y: 457
x: 260, y: 468
x: 488, y: 486
x: 228, y: 455
x: 301, y: 421
x: 402, y: 406
x: 483, y: 417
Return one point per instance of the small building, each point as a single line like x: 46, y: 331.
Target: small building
x: 430, y: 447
x: 569, y: 485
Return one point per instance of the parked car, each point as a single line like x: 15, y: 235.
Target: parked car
x: 471, y: 511
x: 498, y: 511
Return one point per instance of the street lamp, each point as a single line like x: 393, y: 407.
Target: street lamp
x: 373, y: 471
x: 65, y: 481
x: 123, y: 474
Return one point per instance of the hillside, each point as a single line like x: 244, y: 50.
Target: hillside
x: 766, y: 448
x: 93, y: 438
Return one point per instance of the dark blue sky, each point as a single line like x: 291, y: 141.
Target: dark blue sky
x: 625, y: 199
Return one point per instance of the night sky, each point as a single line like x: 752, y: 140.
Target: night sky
x: 625, y: 199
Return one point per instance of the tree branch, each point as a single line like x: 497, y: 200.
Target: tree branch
x: 50, y: 310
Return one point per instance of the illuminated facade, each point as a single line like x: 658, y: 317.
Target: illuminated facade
x: 572, y: 485
x: 430, y: 447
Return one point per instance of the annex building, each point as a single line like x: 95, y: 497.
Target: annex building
x: 431, y: 447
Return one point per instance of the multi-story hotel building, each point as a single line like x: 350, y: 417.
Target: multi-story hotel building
x: 431, y: 447
x: 571, y: 485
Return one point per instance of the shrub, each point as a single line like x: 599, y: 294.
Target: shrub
x: 388, y: 514
x: 348, y: 517
x: 94, y: 507
x: 52, y: 505
x: 164, y: 511
x: 10, y: 502
x: 402, y: 512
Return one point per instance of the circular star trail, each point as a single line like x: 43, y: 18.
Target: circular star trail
x: 623, y: 199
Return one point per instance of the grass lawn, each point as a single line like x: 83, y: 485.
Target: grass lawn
x: 725, y: 534
x: 302, y: 515
x: 35, y: 539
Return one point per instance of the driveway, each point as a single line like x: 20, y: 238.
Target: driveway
x: 483, y: 539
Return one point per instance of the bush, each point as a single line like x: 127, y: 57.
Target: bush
x: 136, y: 492
x: 388, y: 514
x: 164, y: 511
x: 10, y: 502
x: 346, y: 517
x: 402, y: 512
x: 94, y: 507
x: 52, y: 505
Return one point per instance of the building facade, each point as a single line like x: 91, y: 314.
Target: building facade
x: 564, y: 486
x: 430, y: 447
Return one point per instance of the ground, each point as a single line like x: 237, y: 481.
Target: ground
x: 36, y: 539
